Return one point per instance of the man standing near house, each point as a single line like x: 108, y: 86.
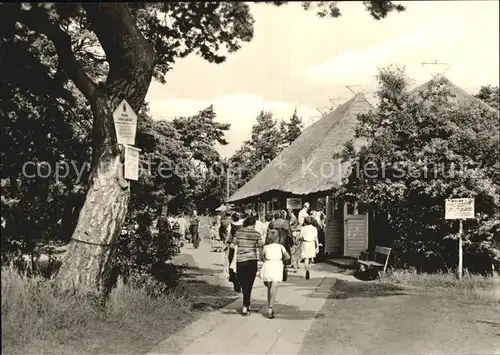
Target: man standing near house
x: 261, y: 227
x: 303, y: 214
x: 194, y: 225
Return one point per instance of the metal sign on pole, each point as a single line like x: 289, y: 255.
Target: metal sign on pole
x: 459, y: 208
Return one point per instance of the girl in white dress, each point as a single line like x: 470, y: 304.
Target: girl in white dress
x: 309, y: 243
x: 273, y: 254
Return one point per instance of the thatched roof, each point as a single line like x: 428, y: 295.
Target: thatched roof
x: 458, y: 94
x: 298, y: 169
x: 308, y: 165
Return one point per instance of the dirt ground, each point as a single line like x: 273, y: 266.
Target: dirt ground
x: 367, y: 318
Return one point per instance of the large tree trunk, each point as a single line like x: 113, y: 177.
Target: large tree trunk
x: 87, y: 262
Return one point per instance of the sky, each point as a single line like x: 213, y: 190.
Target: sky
x: 297, y: 60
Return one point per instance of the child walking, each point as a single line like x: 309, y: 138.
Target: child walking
x: 273, y: 255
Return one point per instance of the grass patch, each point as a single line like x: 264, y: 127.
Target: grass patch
x: 485, y: 289
x: 36, y: 319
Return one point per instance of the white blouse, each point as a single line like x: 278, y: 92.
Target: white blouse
x: 309, y: 233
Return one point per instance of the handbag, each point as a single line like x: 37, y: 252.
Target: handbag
x: 285, y: 273
x: 285, y: 269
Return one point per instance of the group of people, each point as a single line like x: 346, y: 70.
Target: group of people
x: 187, y: 228
x: 279, y: 242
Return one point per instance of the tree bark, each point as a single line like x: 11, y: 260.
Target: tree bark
x: 86, y: 265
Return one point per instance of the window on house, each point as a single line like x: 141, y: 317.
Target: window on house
x: 350, y: 208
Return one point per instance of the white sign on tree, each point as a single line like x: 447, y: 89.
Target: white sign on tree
x: 131, y: 163
x: 459, y: 208
x: 125, y: 120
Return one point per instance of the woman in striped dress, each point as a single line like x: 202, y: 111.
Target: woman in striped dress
x: 248, y: 244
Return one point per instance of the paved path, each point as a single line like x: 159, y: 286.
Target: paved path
x: 225, y: 331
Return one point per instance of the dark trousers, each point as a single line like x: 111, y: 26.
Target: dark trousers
x: 247, y: 270
x: 195, y: 237
x: 288, y: 247
x: 321, y: 239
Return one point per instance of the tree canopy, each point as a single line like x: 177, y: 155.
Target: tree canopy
x: 68, y: 65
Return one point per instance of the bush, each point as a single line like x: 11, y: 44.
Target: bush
x: 142, y: 253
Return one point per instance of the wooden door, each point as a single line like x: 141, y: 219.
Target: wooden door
x: 333, y: 227
x: 355, y: 230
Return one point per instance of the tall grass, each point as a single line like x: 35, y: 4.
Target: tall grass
x: 473, y: 287
x: 34, y: 312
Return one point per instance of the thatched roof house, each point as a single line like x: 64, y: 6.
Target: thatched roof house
x: 307, y: 170
x: 307, y: 166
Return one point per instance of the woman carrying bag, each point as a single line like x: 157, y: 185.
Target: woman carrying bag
x: 274, y: 256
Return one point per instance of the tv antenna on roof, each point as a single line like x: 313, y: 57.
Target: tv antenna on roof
x: 424, y: 64
x: 354, y: 92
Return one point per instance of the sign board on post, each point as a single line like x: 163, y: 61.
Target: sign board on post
x: 459, y: 208
x: 131, y: 163
x: 294, y: 203
x: 125, y: 121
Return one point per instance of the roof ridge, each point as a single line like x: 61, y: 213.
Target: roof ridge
x: 454, y: 86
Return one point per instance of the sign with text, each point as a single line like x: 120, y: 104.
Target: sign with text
x: 131, y: 163
x: 459, y: 208
x: 294, y: 203
x: 125, y: 121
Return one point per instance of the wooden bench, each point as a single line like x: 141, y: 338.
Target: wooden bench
x: 379, y: 260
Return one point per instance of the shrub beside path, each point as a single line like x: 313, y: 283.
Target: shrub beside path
x: 225, y: 331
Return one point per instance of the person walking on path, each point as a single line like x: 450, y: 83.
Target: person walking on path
x: 235, y: 225
x: 273, y: 255
x: 182, y: 224
x: 284, y: 229
x: 260, y: 226
x: 194, y: 225
x: 309, y: 243
x: 303, y: 214
x: 269, y: 218
x: 248, y: 245
x: 291, y: 217
x: 217, y: 243
x: 320, y: 218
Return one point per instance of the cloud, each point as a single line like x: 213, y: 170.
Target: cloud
x: 238, y: 109
x: 358, y: 66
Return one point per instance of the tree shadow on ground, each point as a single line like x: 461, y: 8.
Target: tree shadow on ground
x: 342, y: 289
x: 194, y: 271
